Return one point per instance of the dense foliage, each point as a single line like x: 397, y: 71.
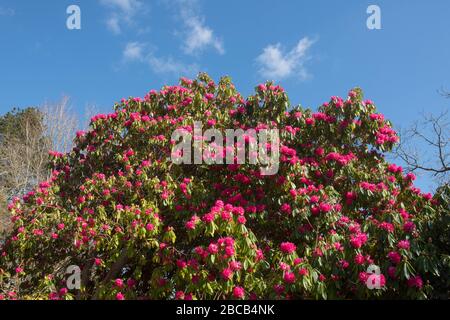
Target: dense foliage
x: 438, y: 232
x: 140, y: 226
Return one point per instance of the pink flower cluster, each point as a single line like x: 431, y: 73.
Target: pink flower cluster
x: 288, y: 247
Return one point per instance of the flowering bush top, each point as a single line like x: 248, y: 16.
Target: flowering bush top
x: 141, y: 227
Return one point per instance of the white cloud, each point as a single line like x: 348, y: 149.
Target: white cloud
x: 200, y: 36
x: 122, y: 12
x: 113, y: 24
x: 139, y: 52
x: 276, y: 64
x: 197, y: 35
x: 7, y: 12
x: 127, y: 6
x: 168, y: 65
x: 133, y: 51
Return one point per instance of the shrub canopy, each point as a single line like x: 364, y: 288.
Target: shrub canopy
x: 141, y: 227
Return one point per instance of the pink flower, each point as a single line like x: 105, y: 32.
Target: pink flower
x: 293, y: 193
x: 120, y: 296
x: 235, y: 265
x: 338, y: 246
x: 63, y: 292
x: 393, y: 168
x: 238, y: 292
x: 145, y: 163
x: 225, y: 215
x: 288, y: 247
x: 278, y: 288
x: 409, y: 227
x: 325, y: 207
x: 363, y: 276
x: 179, y: 295
x: 395, y: 257
x: 38, y: 232
x: 199, y: 251
x: 190, y: 225
x: 319, y: 152
x: 428, y: 196
x: 209, y: 96
x: 309, y: 121
x: 53, y: 296
x: 259, y: 255
x: 389, y: 227
x: 350, y: 197
x: 118, y: 283
x: 286, y: 208
x: 358, y: 240
x: 181, y: 264
x: 416, y: 282
x: 227, y: 273
x: 403, y: 244
x: 208, y: 218
x: 213, y: 249
x: 359, y: 259
x: 344, y: 264
x: 392, y: 272
x: 303, y: 272
x: 131, y: 283
x: 289, y: 277
x: 410, y: 176
x: 284, y: 266
x: 241, y: 220
x: 229, y: 251
x: 129, y: 153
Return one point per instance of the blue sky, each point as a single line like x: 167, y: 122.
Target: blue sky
x: 315, y: 49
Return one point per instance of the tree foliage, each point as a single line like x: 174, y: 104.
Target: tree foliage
x: 140, y: 226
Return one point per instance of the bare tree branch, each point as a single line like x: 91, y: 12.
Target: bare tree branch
x: 26, y: 136
x: 433, y: 156
x: 444, y: 93
x: 61, y: 124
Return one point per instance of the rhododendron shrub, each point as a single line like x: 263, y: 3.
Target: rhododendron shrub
x: 141, y: 227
